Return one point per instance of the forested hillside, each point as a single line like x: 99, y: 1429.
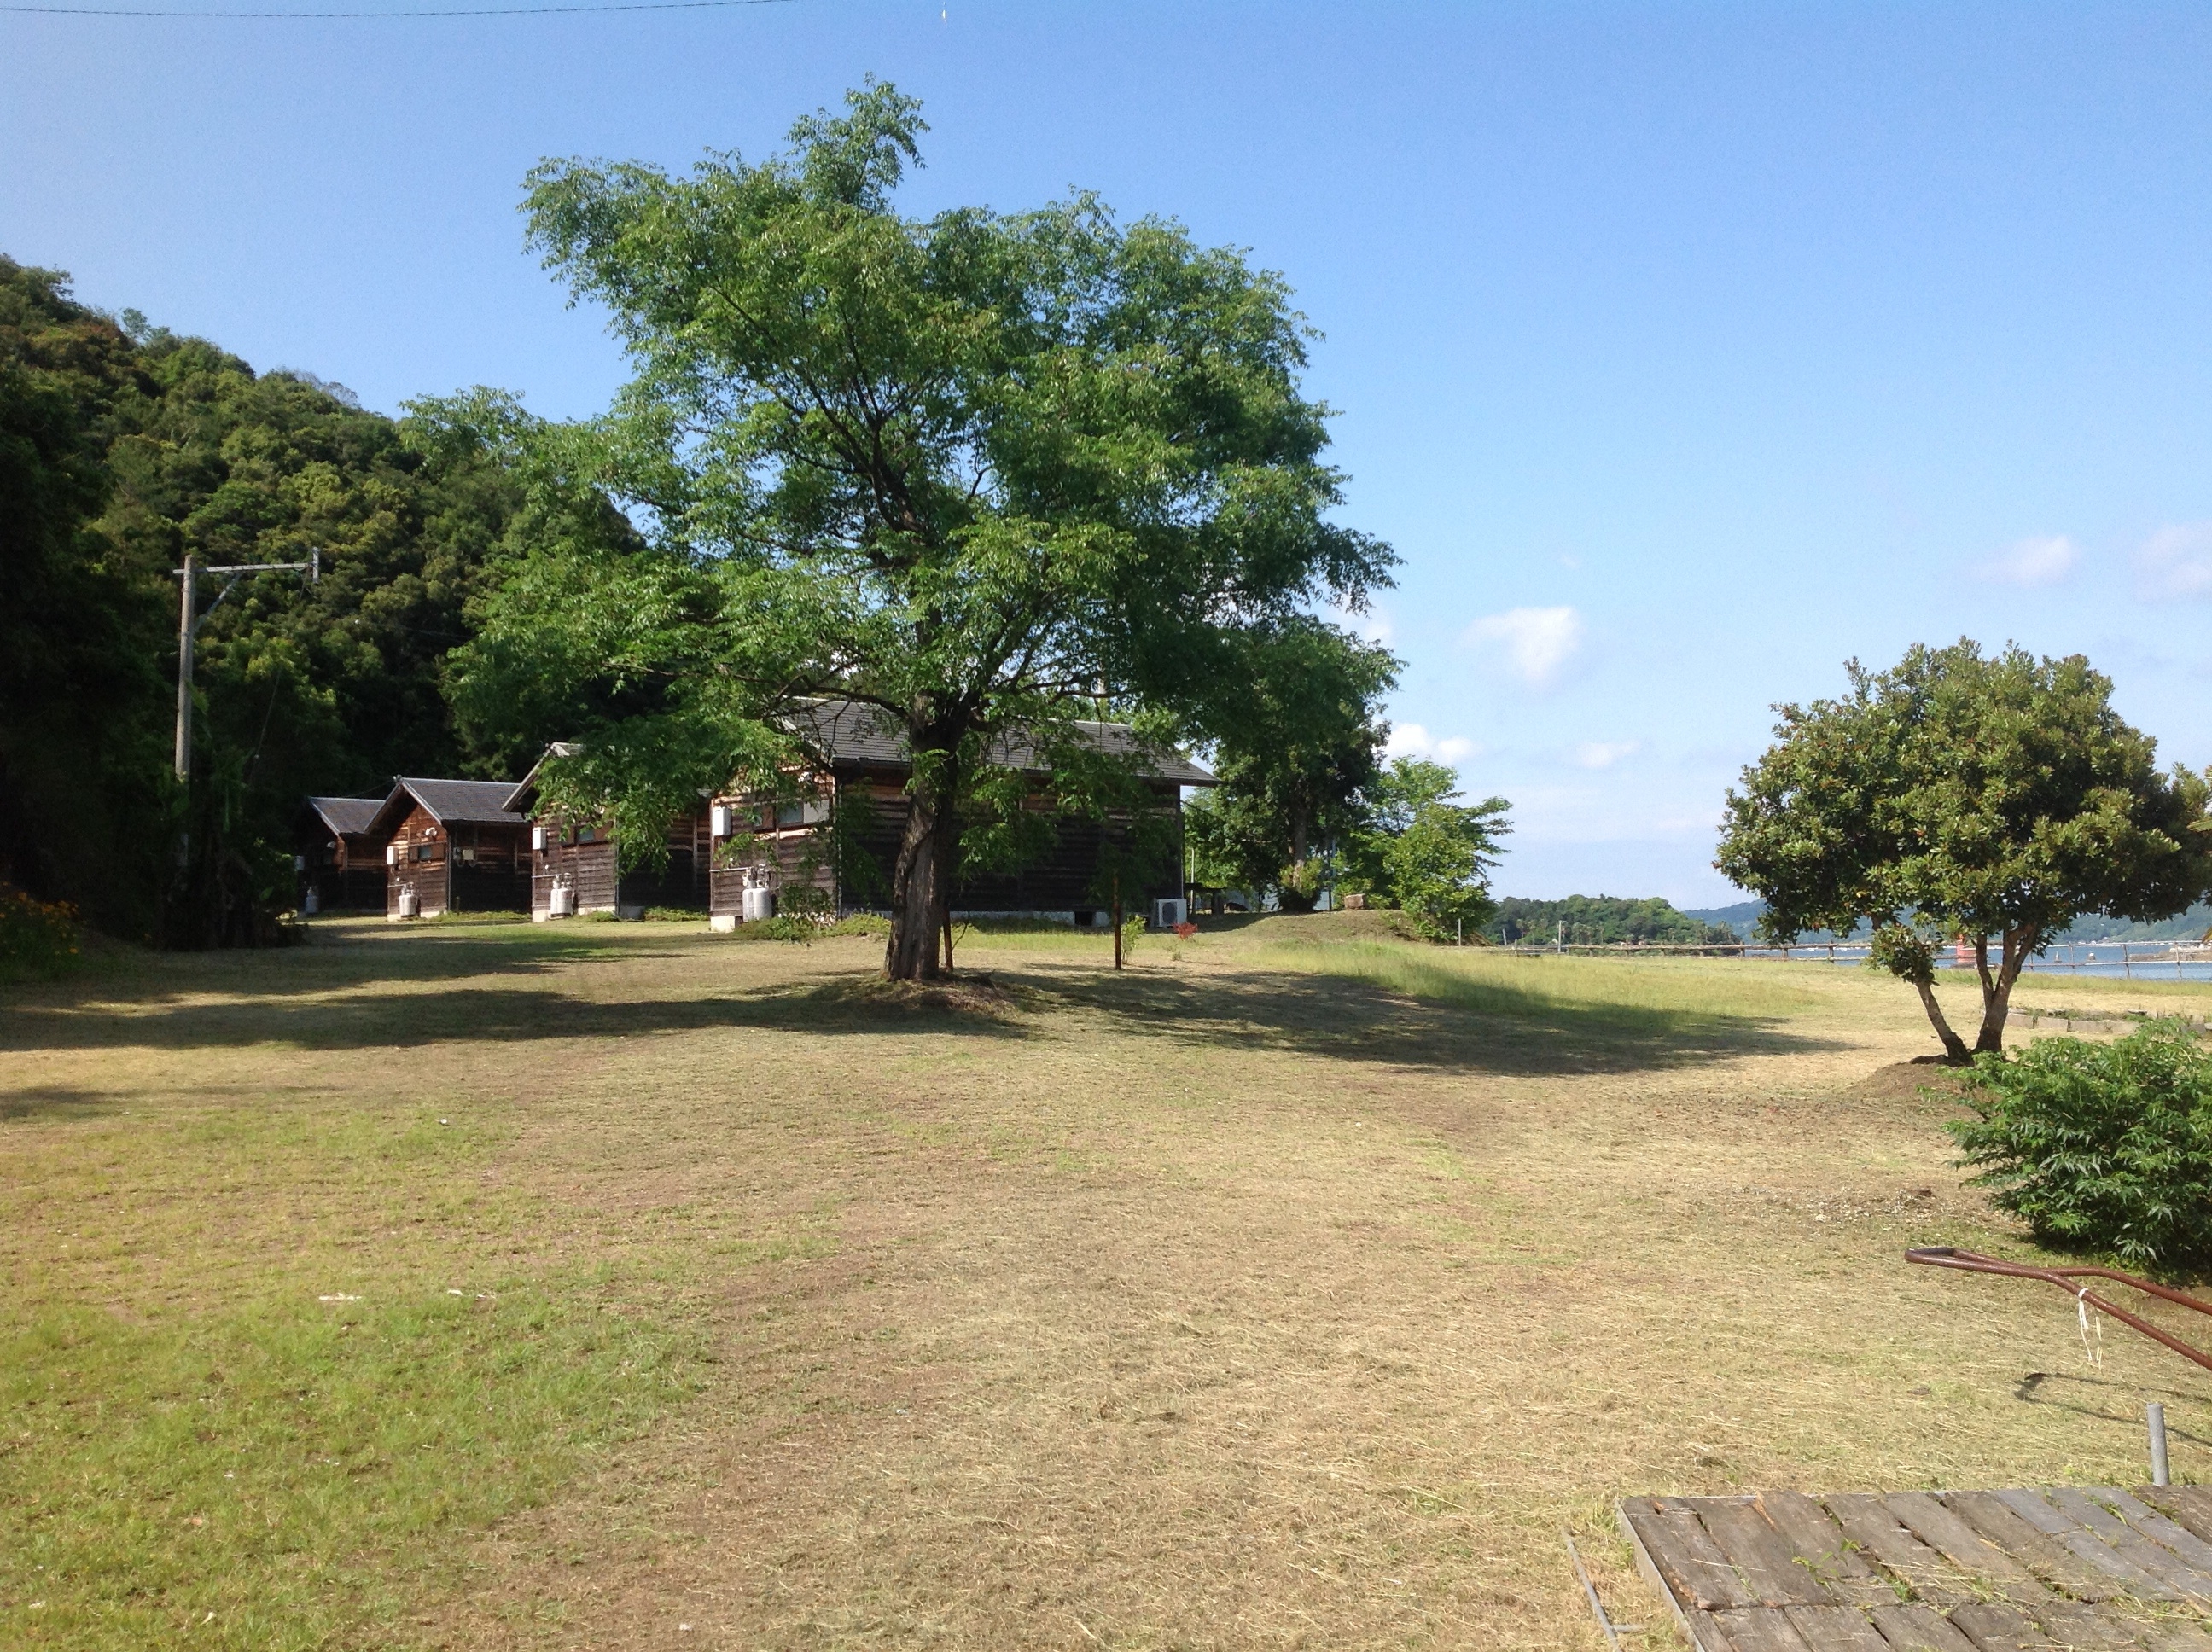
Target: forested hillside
x: 123, y: 448
x: 1603, y: 921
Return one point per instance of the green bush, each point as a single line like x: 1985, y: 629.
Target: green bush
x: 38, y: 938
x: 2105, y: 1148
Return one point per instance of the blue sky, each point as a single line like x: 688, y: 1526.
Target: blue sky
x: 1683, y: 352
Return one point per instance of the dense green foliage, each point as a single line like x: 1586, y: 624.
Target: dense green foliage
x: 38, y: 938
x: 1298, y: 739
x: 978, y: 472
x: 1604, y: 920
x: 1994, y: 799
x: 2105, y: 1148
x: 122, y: 451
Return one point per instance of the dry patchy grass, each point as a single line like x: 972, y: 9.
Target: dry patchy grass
x: 1276, y: 1292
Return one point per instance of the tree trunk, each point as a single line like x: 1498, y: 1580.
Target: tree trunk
x: 1996, y: 991
x: 1954, y: 1047
x: 920, y: 893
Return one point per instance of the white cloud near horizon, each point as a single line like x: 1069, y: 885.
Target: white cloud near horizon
x: 1603, y: 754
x: 2176, y: 561
x: 1535, y: 643
x: 2041, y: 560
x: 1411, y: 740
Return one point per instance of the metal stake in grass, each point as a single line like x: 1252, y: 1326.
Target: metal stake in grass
x: 2156, y: 1414
x: 1613, y: 1631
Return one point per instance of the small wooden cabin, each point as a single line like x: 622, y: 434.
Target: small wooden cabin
x: 787, y: 845
x: 576, y: 865
x: 453, y: 846
x: 339, y: 861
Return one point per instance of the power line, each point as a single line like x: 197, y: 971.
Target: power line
x: 484, y: 11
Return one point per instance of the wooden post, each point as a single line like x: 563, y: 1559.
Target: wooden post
x: 186, y: 625
x: 1117, y: 919
x: 948, y: 939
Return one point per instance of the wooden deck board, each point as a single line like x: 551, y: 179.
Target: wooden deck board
x: 1993, y: 1627
x: 2066, y: 1570
x: 2057, y: 1565
x: 1835, y: 1629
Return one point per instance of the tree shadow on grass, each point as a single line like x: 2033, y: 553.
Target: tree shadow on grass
x: 1340, y: 1018
x: 54, y: 1103
x: 1353, y: 1019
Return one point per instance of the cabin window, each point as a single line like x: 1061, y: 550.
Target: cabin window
x: 429, y: 852
x: 586, y: 835
x: 790, y: 814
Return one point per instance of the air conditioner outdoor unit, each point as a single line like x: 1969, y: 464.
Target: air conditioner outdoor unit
x: 1166, y: 914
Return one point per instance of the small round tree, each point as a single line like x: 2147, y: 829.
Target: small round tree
x: 1959, y: 796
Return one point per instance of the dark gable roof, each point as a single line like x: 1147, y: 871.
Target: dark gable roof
x: 347, y: 817
x: 522, y: 798
x: 845, y: 731
x: 450, y: 803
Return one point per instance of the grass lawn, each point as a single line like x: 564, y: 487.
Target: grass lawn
x: 622, y: 1285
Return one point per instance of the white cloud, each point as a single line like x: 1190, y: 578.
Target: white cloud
x: 1411, y: 740
x: 1537, y: 643
x: 2176, y: 561
x: 1603, y: 754
x: 2044, y: 561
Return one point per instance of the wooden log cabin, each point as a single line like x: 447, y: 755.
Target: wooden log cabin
x: 575, y: 866
x: 453, y: 846
x: 790, y: 844
x: 340, y: 862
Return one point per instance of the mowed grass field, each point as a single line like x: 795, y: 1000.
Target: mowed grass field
x: 622, y: 1285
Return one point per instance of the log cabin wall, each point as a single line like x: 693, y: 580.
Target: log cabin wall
x: 587, y: 859
x: 587, y: 866
x: 418, y: 863
x: 1063, y: 881
x: 457, y: 866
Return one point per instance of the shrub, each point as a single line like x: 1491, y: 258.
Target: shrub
x: 2103, y: 1147
x: 37, y: 938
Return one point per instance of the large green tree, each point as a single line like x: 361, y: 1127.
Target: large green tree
x: 974, y: 472
x: 1297, y: 731
x: 1424, y: 851
x: 1988, y: 799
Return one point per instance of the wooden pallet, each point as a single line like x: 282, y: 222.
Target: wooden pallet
x: 2050, y: 1570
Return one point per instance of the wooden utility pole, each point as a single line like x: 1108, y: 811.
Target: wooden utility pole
x: 187, y: 628
x: 189, y: 621
x: 1117, y: 919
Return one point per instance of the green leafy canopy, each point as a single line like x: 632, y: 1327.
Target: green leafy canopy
x: 1992, y: 797
x: 976, y: 470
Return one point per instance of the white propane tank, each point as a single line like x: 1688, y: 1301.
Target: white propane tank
x: 759, y: 903
x: 410, y: 904
x: 313, y: 904
x: 563, y: 900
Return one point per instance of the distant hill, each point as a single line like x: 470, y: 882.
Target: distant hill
x: 1743, y: 918
x: 1604, y: 920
